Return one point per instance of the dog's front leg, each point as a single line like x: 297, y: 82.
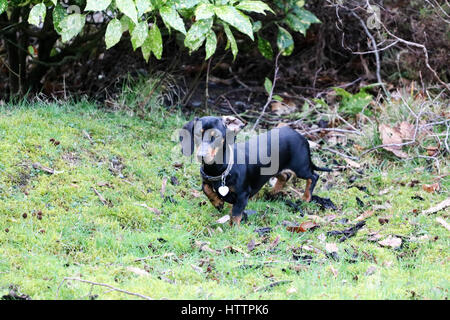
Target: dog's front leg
x: 212, y: 196
x: 238, y: 209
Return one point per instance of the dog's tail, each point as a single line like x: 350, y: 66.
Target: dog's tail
x: 316, y: 168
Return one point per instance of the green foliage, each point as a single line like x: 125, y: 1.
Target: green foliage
x: 197, y: 20
x: 353, y: 104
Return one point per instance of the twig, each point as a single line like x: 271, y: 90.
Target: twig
x: 269, y: 99
x: 99, y: 195
x: 102, y: 285
x: 273, y: 284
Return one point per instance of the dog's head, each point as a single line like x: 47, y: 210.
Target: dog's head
x: 209, y: 135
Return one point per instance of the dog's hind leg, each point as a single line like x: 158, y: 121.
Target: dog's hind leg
x: 282, y: 178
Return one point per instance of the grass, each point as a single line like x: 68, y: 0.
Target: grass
x: 127, y: 161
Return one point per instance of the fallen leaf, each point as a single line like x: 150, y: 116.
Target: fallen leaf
x: 384, y: 220
x: 305, y: 226
x: 385, y: 191
x: 406, y: 130
x: 285, y: 107
x: 331, y: 247
x: 364, y: 216
x: 444, y: 204
x: 374, y: 236
x: 392, y: 136
x: 391, y: 241
x: 291, y: 290
x: 195, y: 193
x: 431, y: 188
x: 138, y: 271
x: 224, y: 219
x: 432, y: 151
x: 197, y: 269
x: 235, y: 249
x: 352, y: 163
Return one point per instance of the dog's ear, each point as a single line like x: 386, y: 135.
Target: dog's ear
x: 187, y: 138
x: 233, y: 124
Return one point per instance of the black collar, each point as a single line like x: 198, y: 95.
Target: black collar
x: 224, y: 175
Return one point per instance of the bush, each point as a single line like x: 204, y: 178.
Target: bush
x: 57, y: 32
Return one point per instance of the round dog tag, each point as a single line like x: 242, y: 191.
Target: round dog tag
x: 223, y: 190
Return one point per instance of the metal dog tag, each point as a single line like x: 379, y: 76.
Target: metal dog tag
x: 223, y: 190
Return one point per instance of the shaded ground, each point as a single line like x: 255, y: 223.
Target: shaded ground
x: 164, y: 242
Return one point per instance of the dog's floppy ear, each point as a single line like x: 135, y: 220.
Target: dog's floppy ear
x: 187, y: 138
x: 233, y: 124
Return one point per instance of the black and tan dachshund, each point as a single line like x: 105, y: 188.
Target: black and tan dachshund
x: 234, y: 172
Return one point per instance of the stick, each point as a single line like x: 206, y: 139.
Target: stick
x: 102, y: 285
x: 273, y: 284
x: 99, y: 195
x: 269, y: 99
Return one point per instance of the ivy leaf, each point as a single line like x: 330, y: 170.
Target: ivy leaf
x: 231, y: 39
x: 204, y: 11
x: 3, y: 5
x: 128, y: 8
x: 139, y: 34
x: 254, y: 6
x: 113, y: 33
x: 268, y: 85
x: 171, y: 17
x: 37, y: 14
x: 211, y: 44
x: 235, y: 18
x: 285, y: 42
x: 97, y: 5
x: 197, y: 34
x: 306, y: 16
x: 265, y: 48
x: 143, y: 6
x: 71, y: 26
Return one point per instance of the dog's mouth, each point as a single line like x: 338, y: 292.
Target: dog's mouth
x: 207, y: 155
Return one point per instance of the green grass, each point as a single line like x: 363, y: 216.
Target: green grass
x: 80, y: 237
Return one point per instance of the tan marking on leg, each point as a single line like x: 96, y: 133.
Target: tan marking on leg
x: 235, y: 220
x: 212, y: 196
x: 307, y: 195
x: 282, y: 178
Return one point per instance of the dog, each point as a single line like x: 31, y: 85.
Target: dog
x: 234, y: 172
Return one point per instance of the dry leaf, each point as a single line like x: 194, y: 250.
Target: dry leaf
x: 197, y: 269
x: 364, y: 216
x: 331, y: 247
x: 138, y: 271
x: 431, y: 188
x: 374, y: 236
x: 444, y: 204
x: 391, y: 241
x: 392, y: 136
x: 291, y: 290
x: 406, y: 130
x: 305, y: 226
x: 352, y: 163
x: 285, y: 107
x: 224, y: 219
x: 432, y: 151
x: 370, y: 271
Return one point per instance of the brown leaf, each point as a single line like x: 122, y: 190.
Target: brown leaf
x: 364, y: 216
x: 374, y: 236
x: 392, y: 136
x: 406, y: 130
x: 285, y: 107
x: 432, y: 151
x: 391, y: 241
x: 431, y: 188
x: 305, y: 226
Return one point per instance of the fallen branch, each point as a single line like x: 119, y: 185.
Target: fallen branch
x: 99, y: 195
x: 102, y: 285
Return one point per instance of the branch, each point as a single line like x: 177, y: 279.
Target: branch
x: 269, y: 99
x: 102, y: 285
